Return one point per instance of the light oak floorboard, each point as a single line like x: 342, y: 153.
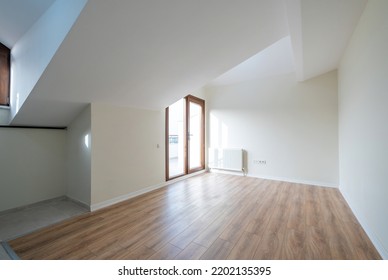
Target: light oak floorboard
x: 211, y: 216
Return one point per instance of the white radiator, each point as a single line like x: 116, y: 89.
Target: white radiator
x: 226, y: 159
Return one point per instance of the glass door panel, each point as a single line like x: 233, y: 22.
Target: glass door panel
x: 185, y: 137
x: 176, y: 139
x: 195, y: 135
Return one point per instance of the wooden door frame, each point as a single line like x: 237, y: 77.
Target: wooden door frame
x: 201, y: 103
x: 186, y: 171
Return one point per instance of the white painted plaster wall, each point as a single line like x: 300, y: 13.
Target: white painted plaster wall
x: 126, y: 157
x: 291, y: 125
x: 78, y: 158
x: 363, y: 129
x: 32, y: 166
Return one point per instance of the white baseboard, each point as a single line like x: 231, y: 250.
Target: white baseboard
x: 296, y: 181
x: 79, y: 202
x: 363, y: 221
x: 62, y: 197
x: 124, y: 197
x: 305, y: 182
x: 223, y: 171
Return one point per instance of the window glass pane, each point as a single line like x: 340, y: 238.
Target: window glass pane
x: 195, y: 135
x: 176, y: 138
x: 4, y: 74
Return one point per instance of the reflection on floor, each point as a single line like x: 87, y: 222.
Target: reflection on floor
x: 21, y: 221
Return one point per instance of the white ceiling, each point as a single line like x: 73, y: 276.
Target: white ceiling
x: 148, y: 54
x: 327, y: 26
x: 319, y: 33
x: 274, y: 60
x: 17, y: 16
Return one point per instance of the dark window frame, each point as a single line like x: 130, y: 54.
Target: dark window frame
x: 5, y: 75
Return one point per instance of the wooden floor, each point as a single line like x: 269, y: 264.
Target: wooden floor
x: 211, y: 216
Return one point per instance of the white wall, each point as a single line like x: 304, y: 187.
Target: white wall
x: 4, y: 116
x: 363, y: 128
x: 32, y: 53
x: 291, y: 125
x: 78, y: 154
x: 125, y: 157
x: 32, y: 166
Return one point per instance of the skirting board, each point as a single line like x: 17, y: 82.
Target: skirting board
x: 32, y: 204
x: 224, y: 171
x: 297, y: 181
x: 305, y: 182
x: 124, y: 197
x: 79, y: 202
x: 372, y: 236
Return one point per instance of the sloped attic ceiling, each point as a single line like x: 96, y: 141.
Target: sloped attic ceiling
x: 17, y: 16
x: 319, y: 33
x: 148, y: 53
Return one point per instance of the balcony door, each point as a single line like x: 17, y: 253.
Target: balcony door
x: 185, y: 137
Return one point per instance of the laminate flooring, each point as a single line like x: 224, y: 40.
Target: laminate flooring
x: 210, y: 216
